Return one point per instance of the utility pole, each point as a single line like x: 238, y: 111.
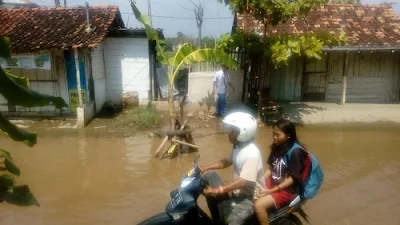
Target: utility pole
x: 149, y: 12
x: 57, y: 3
x: 65, y: 3
x: 152, y: 59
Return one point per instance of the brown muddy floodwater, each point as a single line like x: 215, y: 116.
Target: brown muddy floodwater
x: 89, y: 181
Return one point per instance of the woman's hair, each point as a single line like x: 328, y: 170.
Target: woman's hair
x: 289, y: 129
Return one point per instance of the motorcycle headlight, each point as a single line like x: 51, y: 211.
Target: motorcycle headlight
x: 186, y: 181
x: 177, y: 216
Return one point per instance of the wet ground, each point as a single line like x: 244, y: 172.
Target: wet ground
x: 80, y: 178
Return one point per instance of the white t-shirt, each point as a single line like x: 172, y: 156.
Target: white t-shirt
x: 247, y: 164
x: 221, y: 80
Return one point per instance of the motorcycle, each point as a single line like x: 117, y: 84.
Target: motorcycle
x: 183, y: 208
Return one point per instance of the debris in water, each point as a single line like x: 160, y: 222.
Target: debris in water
x: 22, y: 126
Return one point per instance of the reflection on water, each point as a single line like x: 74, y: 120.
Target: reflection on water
x: 117, y: 181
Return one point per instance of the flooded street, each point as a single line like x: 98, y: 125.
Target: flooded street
x: 87, y: 180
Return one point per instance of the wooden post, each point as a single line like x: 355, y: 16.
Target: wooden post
x: 304, y: 62
x: 153, y: 61
x: 344, y: 81
x: 166, y: 150
x: 328, y: 64
x: 78, y: 77
x: 261, y: 77
x: 184, y: 143
x: 161, y: 146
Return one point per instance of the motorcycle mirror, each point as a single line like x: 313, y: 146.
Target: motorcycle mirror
x: 196, y: 160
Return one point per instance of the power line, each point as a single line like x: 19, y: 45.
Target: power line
x: 185, y: 18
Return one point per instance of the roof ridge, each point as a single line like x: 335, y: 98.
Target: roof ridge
x: 358, y: 5
x: 45, y: 8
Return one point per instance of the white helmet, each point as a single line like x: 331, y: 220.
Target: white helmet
x: 246, y: 124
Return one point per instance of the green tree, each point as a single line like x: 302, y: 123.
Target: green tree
x: 180, y: 36
x: 279, y: 48
x: 209, y: 42
x: 16, y: 90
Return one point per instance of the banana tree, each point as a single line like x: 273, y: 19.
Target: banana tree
x: 186, y: 54
x: 16, y: 90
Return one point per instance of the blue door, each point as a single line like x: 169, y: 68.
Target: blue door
x: 71, y: 79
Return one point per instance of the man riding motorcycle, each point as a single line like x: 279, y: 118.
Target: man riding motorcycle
x: 234, y: 203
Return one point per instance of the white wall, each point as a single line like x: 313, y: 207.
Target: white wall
x: 55, y: 84
x: 85, y: 114
x: 127, y: 68
x: 99, y: 76
x: 201, y: 85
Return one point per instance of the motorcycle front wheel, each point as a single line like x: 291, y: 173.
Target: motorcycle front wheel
x: 159, y: 219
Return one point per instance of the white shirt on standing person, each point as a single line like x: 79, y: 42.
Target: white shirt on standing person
x: 221, y: 81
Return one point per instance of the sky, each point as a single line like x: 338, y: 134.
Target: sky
x: 170, y: 15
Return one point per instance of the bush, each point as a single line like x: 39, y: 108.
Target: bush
x: 142, y: 116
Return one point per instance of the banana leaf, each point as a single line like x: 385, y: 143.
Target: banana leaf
x: 187, y: 53
x: 211, y: 55
x: 23, y: 81
x: 182, y: 52
x: 205, y: 55
x: 21, y: 196
x: 142, y: 18
x: 150, y: 32
x: 6, y: 182
x: 16, y: 133
x: 8, y: 162
x: 162, y: 58
x: 17, y: 94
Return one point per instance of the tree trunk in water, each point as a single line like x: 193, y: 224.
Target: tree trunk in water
x: 65, y: 3
x: 57, y: 3
x: 171, y: 107
x: 181, y: 111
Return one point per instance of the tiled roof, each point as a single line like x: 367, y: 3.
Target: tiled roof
x: 133, y: 33
x: 370, y: 26
x: 35, y: 29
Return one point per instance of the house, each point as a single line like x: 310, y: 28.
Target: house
x: 85, y: 61
x: 365, y: 70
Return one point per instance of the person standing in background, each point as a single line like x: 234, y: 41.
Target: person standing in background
x: 221, y: 81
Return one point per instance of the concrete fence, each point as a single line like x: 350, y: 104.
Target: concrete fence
x: 201, y: 85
